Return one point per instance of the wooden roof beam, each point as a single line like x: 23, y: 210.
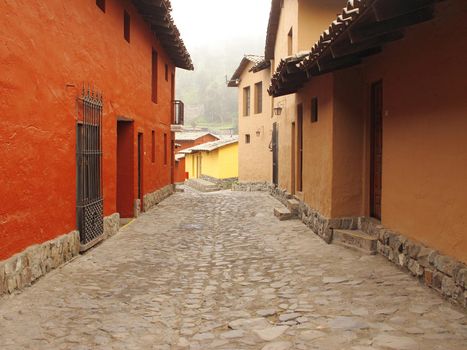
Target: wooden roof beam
x: 371, y: 30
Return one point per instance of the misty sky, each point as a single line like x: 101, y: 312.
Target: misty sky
x: 216, y: 22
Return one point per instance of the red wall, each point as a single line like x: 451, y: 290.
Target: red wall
x: 180, y: 173
x: 204, y: 139
x: 47, y: 50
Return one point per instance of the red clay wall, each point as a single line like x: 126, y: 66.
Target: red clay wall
x: 180, y: 173
x: 47, y: 50
x: 424, y: 131
x: 204, y: 139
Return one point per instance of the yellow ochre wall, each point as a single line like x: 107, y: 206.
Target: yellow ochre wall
x: 221, y: 163
x: 254, y: 158
x: 308, y: 19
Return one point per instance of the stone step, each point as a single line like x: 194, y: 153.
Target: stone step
x: 292, y: 205
x: 283, y: 213
x: 355, y: 239
x: 202, y: 185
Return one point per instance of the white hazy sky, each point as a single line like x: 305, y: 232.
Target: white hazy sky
x: 206, y: 22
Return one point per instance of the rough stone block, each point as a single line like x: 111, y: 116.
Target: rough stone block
x: 415, y: 268
x: 445, y: 264
x: 437, y: 280
x: 282, y: 214
x: 428, y: 277
x: 403, y: 260
x: 292, y: 205
x: 423, y: 256
x: 461, y: 278
x: 448, y: 286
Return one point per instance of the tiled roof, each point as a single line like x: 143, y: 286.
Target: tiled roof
x: 158, y: 14
x: 211, y: 146
x: 362, y: 28
x: 191, y: 135
x: 259, y: 63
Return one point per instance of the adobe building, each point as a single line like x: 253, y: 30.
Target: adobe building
x: 380, y: 103
x: 252, y: 79
x: 86, y: 134
x: 184, y: 140
x: 293, y: 25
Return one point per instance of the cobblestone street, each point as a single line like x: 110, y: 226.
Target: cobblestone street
x: 219, y: 271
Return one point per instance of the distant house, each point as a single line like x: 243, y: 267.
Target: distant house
x: 184, y: 140
x: 252, y: 78
x: 187, y: 139
x: 216, y: 160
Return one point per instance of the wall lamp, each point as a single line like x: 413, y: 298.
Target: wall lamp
x: 278, y: 109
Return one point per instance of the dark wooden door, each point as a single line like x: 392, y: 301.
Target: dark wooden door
x: 140, y: 167
x: 300, y: 148
x: 376, y: 149
x: 275, y: 154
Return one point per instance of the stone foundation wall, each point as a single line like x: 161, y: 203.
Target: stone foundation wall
x: 27, y: 266
x: 318, y: 223
x: 251, y: 186
x: 111, y: 225
x: 223, y: 184
x: 439, y: 272
x: 154, y: 198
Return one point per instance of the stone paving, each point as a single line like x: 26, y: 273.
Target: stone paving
x: 218, y: 271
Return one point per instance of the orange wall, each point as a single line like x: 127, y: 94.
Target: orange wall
x: 180, y: 173
x: 317, y: 144
x: 348, y: 144
x: 47, y: 50
x: 424, y: 131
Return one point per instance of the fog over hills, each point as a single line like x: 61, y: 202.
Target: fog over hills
x: 208, y: 100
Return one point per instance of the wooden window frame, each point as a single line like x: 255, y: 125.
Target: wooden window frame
x: 153, y: 146
x: 165, y: 149
x: 247, y: 138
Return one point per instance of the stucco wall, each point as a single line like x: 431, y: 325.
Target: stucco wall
x: 348, y: 143
x: 228, y: 161
x: 318, y: 144
x: 47, y: 50
x: 424, y: 131
x: 255, y: 158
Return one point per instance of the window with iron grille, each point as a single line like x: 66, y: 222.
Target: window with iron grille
x: 126, y: 26
x: 101, y: 4
x: 246, y: 101
x: 89, y: 201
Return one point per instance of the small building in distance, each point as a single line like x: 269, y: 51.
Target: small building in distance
x: 214, y: 161
x: 184, y: 140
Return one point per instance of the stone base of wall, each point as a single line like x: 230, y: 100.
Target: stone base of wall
x: 154, y: 198
x: 24, y: 268
x: 318, y: 223
x: 223, y: 184
x: 111, y: 225
x: 251, y: 186
x: 439, y: 272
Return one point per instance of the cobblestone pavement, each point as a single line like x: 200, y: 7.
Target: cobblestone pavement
x: 218, y: 271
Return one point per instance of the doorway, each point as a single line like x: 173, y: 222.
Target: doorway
x: 125, y: 182
x: 300, y: 147
x: 275, y: 154
x: 140, y: 167
x: 376, y: 148
x: 293, y: 173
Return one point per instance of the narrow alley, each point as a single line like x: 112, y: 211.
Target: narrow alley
x: 218, y: 271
